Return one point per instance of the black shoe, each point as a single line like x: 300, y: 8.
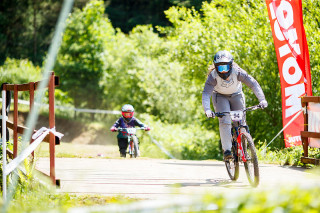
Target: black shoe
x: 123, y: 155
x: 227, y: 155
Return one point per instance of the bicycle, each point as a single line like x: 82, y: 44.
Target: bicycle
x: 133, y: 146
x: 243, y: 149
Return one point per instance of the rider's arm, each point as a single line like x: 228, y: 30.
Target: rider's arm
x: 207, y: 91
x: 252, y: 83
x: 137, y: 122
x: 117, y: 123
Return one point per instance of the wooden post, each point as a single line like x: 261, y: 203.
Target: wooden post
x: 15, y: 121
x: 305, y: 140
x: 52, y: 142
x: 31, y: 102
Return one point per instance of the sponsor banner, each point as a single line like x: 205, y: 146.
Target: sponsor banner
x: 293, y: 61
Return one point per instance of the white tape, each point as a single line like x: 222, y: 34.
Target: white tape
x: 39, y: 135
x: 114, y: 112
x: 294, y: 117
x: 161, y: 147
x: 5, y: 118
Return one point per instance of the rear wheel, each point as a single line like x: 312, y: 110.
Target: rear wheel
x: 232, y: 164
x: 251, y: 165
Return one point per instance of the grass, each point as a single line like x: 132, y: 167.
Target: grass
x: 44, y: 201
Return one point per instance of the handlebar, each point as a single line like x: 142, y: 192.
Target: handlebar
x: 119, y: 129
x: 252, y: 108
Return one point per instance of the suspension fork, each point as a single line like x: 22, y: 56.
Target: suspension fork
x: 240, y: 147
x: 130, y: 141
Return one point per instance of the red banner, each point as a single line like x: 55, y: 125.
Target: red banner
x: 293, y: 61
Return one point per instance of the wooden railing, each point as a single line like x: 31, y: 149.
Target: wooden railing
x: 306, y: 135
x: 18, y: 129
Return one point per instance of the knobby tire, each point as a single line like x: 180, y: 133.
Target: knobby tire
x: 251, y: 165
x: 136, y: 147
x: 232, y: 165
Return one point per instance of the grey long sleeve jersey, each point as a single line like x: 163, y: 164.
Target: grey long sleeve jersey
x: 231, y: 86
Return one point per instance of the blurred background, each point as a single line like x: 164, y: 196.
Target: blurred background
x: 153, y: 55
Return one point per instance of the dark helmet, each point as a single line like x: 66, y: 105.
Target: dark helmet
x: 223, y: 63
x: 127, y: 112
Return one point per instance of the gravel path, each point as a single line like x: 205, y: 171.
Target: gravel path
x: 158, y: 178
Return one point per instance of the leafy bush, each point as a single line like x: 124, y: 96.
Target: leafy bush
x: 287, y: 156
x: 183, y: 141
x: 16, y: 71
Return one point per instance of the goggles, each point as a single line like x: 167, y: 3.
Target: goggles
x: 223, y: 68
x: 127, y: 114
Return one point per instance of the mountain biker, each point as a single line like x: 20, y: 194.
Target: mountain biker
x: 224, y: 84
x: 127, y: 120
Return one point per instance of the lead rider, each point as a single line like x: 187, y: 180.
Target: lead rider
x: 224, y: 84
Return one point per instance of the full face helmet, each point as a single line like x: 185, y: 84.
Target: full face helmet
x: 127, y: 112
x: 223, y: 63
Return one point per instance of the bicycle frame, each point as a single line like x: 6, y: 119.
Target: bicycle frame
x: 131, y: 133
x: 239, y: 147
x: 130, y: 145
x: 235, y: 115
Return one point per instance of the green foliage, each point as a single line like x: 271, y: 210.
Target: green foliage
x: 101, y: 67
x: 312, y: 26
x: 38, y: 197
x: 80, y: 61
x: 183, y: 141
x: 26, y: 28
x: 289, y: 156
x: 238, y: 26
x: 274, y: 199
x: 19, y: 71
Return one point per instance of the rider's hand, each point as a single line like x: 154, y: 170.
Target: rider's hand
x: 263, y: 104
x: 113, y: 129
x: 210, y: 114
x: 147, y: 128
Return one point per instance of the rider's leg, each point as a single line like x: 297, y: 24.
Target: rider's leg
x: 123, y: 144
x: 221, y: 104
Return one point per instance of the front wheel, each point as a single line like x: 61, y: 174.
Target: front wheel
x: 251, y: 165
x: 232, y: 164
x: 135, y: 150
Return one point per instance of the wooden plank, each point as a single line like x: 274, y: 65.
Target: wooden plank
x: 315, y: 99
x: 56, y: 83
x: 21, y: 129
x: 307, y: 134
x: 10, y: 153
x: 307, y: 160
x: 26, y: 87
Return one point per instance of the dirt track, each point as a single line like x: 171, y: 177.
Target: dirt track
x: 157, y: 179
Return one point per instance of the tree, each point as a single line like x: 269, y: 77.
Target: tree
x: 80, y: 61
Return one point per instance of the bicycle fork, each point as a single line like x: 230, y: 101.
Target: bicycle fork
x: 240, y: 149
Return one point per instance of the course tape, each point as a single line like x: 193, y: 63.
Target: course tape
x: 38, y: 136
x: 294, y: 117
x: 114, y: 112
x: 161, y: 147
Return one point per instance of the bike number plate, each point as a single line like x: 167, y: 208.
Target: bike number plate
x: 236, y: 115
x: 131, y: 130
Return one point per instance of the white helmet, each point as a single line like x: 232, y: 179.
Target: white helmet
x: 223, y: 63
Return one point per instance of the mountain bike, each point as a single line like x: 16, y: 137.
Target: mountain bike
x: 243, y: 149
x: 133, y: 145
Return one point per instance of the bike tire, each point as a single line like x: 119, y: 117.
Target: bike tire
x: 232, y: 165
x: 251, y: 165
x: 136, y: 147
x: 131, y: 151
